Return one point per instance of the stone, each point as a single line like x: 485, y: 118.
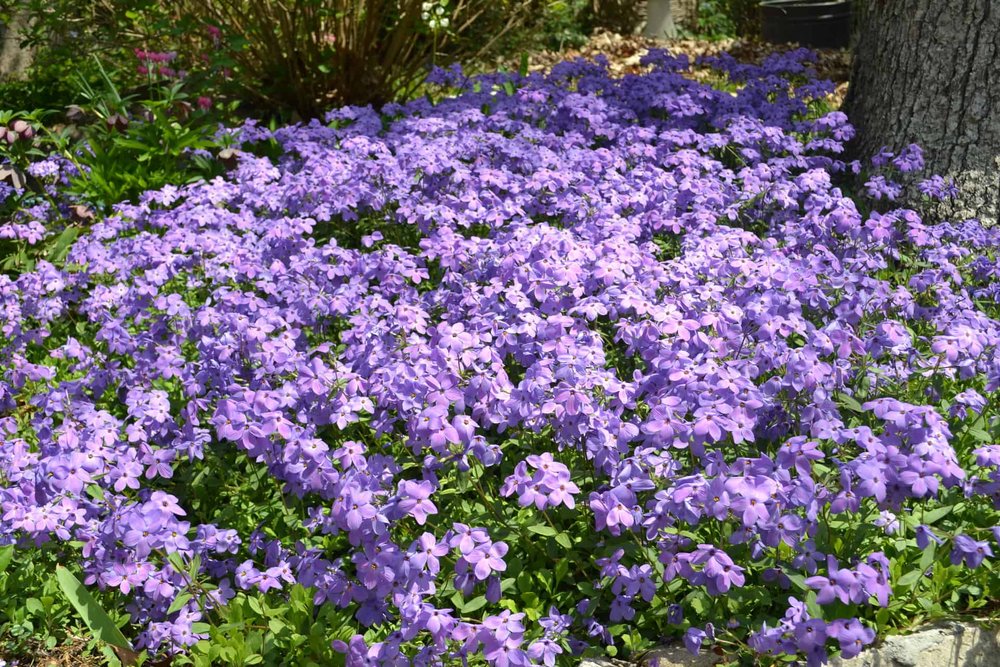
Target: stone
x: 666, y: 656
x: 942, y: 645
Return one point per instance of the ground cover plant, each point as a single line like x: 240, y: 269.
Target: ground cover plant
x: 560, y: 364
x: 59, y: 169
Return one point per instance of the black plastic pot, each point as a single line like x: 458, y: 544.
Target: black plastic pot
x: 817, y: 23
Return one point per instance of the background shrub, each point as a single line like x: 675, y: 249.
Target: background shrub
x: 727, y: 18
x: 298, y: 57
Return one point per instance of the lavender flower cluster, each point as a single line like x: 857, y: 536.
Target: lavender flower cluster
x: 631, y: 330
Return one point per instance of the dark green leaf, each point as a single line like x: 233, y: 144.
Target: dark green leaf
x: 6, y: 556
x: 934, y: 515
x: 849, y: 402
x: 909, y: 579
x: 542, y: 529
x: 474, y: 604
x: 179, y: 603
x: 97, y: 620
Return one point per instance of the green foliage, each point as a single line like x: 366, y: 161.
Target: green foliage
x: 314, y: 54
x: 285, y: 59
x: 712, y: 20
x: 34, y: 614
x: 131, y: 146
x: 559, y: 25
x: 256, y: 629
x: 718, y: 19
x: 101, y: 626
x: 113, y: 147
x: 621, y: 16
x: 126, y: 146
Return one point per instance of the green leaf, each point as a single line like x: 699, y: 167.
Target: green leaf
x: 542, y: 529
x: 814, y: 607
x: 97, y: 620
x: 179, y: 603
x: 934, y: 515
x: 849, y: 402
x: 564, y: 541
x: 562, y: 568
x: 60, y: 247
x: 194, y: 567
x: 928, y: 605
x: 910, y: 578
x: 980, y: 435
x: 699, y: 602
x: 927, y: 557
x: 798, y: 580
x: 112, y: 659
x: 474, y: 604
x: 6, y: 556
x: 176, y: 560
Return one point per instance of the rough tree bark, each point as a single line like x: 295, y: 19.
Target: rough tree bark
x: 925, y: 72
x: 14, y: 59
x: 660, y: 20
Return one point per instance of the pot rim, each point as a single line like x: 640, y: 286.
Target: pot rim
x: 803, y: 3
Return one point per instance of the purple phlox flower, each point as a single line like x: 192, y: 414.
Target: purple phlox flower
x: 852, y: 636
x: 752, y: 496
x: 465, y: 538
x: 925, y: 536
x: 425, y: 552
x: 164, y: 504
x: 487, y: 559
x: 810, y: 634
x: 838, y: 584
x: 504, y: 625
x: 970, y: 551
x: 694, y: 638
x: 544, y: 651
x: 969, y: 399
x: 414, y: 499
x: 350, y: 454
x: 555, y: 622
x: 888, y: 522
x: 613, y: 509
x: 611, y: 566
x: 675, y: 614
x: 719, y: 571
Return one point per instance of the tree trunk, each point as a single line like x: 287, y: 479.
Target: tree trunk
x: 14, y: 59
x: 660, y: 20
x: 925, y: 72
x: 685, y: 13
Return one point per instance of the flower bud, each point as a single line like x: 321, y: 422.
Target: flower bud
x: 75, y: 114
x: 117, y: 122
x: 228, y: 157
x: 20, y: 126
